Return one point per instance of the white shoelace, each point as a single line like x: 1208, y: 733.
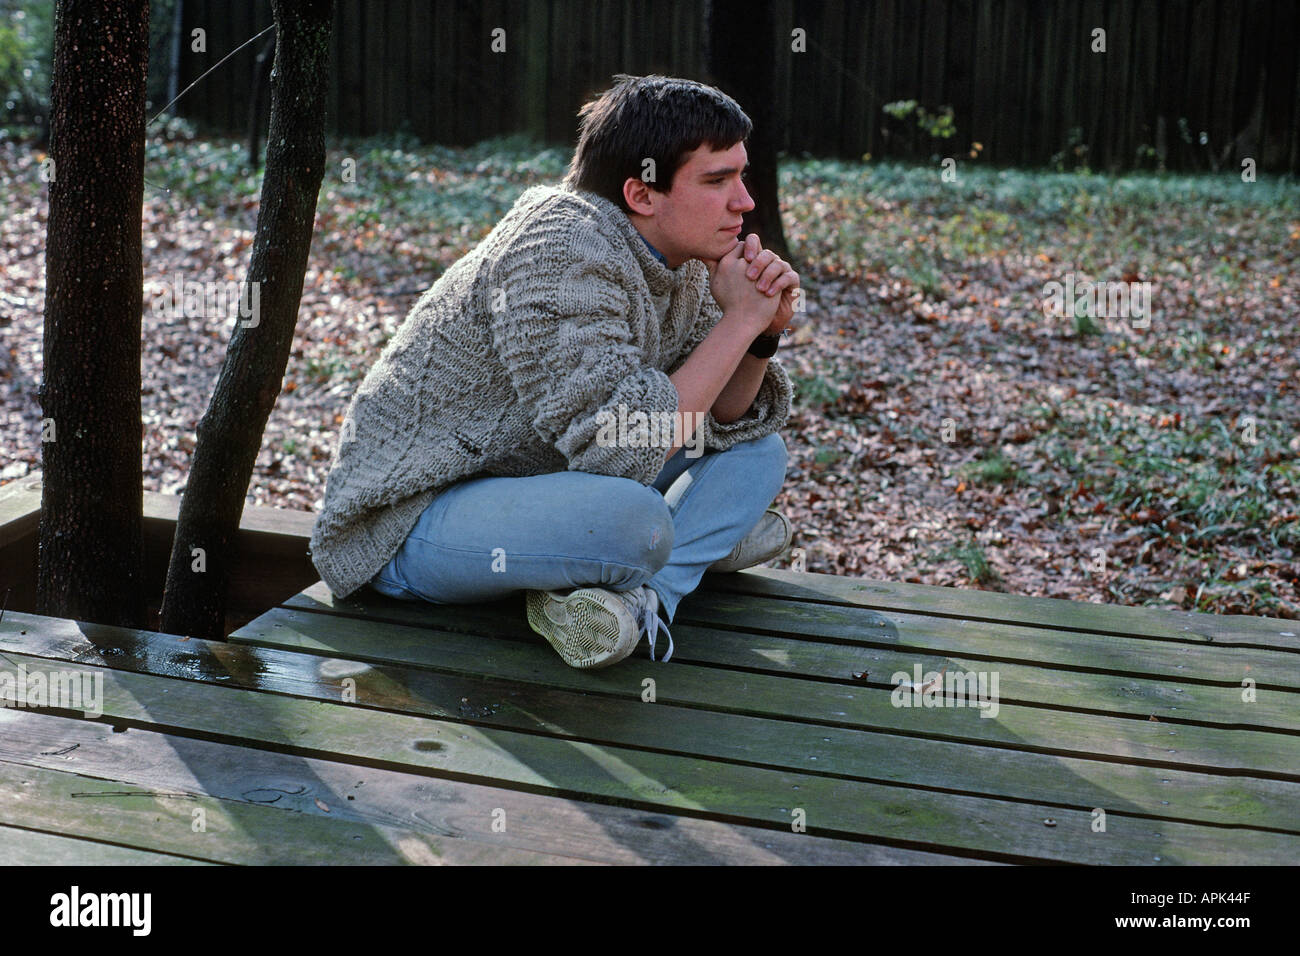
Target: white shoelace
x: 648, y: 603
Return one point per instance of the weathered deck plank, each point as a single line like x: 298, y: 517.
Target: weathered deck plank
x: 20, y: 847
x: 20, y: 508
x: 1105, y: 653
x: 233, y: 831
x: 993, y: 606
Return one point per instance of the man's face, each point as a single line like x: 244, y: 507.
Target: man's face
x: 700, y: 218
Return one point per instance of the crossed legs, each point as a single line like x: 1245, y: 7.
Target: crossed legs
x: 485, y: 538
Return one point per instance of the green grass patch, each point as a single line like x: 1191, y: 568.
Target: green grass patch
x: 1200, y: 481
x: 861, y: 218
x: 993, y: 469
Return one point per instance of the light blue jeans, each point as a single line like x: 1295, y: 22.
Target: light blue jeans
x: 484, y: 538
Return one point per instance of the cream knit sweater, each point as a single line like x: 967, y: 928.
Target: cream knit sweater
x: 503, y: 365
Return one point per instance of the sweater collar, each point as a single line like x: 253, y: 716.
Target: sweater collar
x: 661, y: 279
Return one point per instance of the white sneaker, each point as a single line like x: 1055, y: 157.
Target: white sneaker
x: 766, y: 540
x: 595, y: 627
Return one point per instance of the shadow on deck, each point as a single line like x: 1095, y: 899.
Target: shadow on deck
x: 381, y: 731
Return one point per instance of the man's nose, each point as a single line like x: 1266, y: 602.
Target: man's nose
x: 746, y: 202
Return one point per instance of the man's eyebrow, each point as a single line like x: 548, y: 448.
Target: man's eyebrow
x: 724, y: 171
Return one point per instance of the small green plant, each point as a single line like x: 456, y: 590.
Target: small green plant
x: 1084, y: 324
x: 977, y: 566
x: 996, y: 469
x: 316, y: 370
x: 814, y: 390
x: 829, y: 456
x: 972, y: 557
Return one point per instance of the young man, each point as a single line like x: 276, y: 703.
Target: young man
x: 502, y: 443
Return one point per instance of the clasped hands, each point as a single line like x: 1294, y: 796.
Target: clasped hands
x: 756, y: 281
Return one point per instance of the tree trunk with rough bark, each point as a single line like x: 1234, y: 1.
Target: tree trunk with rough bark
x: 742, y: 51
x: 91, y: 529
x: 230, y: 432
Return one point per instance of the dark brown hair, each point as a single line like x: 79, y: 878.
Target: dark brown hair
x: 649, y: 117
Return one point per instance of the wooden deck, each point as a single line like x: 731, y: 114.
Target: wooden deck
x: 379, y: 731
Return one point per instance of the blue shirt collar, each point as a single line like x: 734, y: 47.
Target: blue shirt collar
x: 655, y: 252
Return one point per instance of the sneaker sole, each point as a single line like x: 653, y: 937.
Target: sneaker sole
x: 583, y: 629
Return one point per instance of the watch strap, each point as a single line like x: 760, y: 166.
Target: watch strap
x: 764, y: 346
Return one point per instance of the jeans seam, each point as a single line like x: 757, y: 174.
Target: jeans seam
x: 550, y: 556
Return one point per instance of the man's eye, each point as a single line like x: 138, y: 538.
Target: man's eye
x: 716, y: 181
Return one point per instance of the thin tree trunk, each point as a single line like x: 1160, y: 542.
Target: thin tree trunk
x: 742, y: 54
x: 230, y: 433
x: 91, y: 497
x: 261, y: 73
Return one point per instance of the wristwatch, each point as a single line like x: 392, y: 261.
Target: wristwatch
x: 764, y: 346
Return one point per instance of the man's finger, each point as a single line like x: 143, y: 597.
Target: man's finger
x: 784, y: 282
x: 735, y: 253
x: 763, y: 261
x: 767, y: 276
x: 752, y: 246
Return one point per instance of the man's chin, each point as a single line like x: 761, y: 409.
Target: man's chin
x: 724, y: 247
x: 710, y: 256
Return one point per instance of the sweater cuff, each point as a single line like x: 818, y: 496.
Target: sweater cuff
x: 628, y: 436
x: 768, y: 413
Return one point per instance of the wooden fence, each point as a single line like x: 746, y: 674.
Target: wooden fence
x: 1021, y: 76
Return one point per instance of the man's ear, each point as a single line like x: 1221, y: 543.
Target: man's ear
x: 637, y: 195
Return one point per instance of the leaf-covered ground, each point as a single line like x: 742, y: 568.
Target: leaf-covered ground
x: 947, y: 429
